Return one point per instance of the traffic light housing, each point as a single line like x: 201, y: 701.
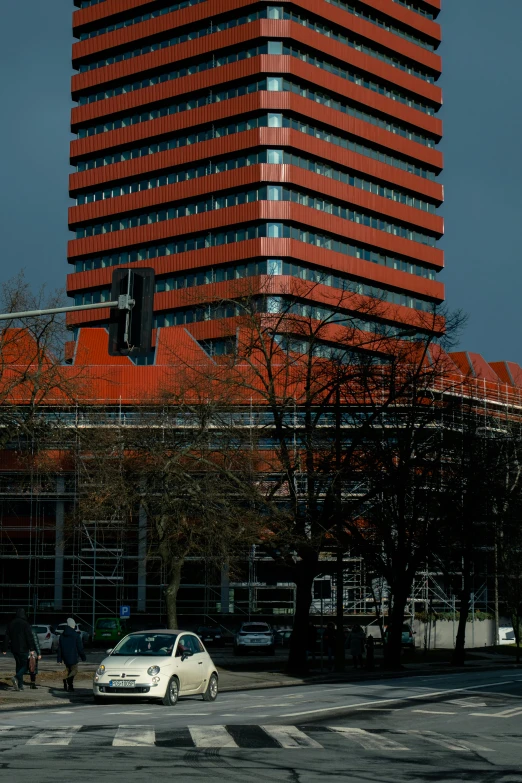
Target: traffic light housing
x: 130, y: 327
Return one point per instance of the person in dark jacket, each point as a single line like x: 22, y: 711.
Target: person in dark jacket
x: 70, y: 649
x: 19, y: 636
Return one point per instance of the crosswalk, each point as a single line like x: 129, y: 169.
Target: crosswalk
x: 235, y: 737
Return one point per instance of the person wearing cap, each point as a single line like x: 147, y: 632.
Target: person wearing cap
x: 70, y: 650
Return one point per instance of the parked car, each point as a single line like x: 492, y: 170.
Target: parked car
x: 254, y: 636
x: 506, y: 635
x: 109, y: 630
x: 407, y: 636
x: 161, y: 665
x: 211, y: 635
x: 47, y: 638
x: 84, y: 632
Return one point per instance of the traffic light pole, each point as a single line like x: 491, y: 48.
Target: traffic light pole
x: 124, y: 302
x: 130, y: 326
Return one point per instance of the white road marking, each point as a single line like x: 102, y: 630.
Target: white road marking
x: 429, y: 695
x: 211, y: 737
x: 449, y: 743
x: 435, y: 712
x: 58, y: 736
x: 367, y: 739
x: 257, y: 706
x: 504, y: 714
x: 134, y: 736
x: 290, y: 737
x: 473, y: 701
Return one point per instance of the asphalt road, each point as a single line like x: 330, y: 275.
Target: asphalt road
x: 438, y: 729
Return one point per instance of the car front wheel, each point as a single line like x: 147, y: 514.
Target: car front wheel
x: 212, y: 689
x: 172, y: 693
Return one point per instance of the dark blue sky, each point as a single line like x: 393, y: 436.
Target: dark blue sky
x: 482, y: 116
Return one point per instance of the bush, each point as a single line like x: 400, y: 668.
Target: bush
x: 425, y: 617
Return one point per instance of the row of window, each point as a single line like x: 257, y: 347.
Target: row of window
x: 269, y: 47
x: 354, y: 43
x: 271, y: 120
x: 168, y: 9
x: 277, y: 266
x: 253, y: 158
x: 272, y: 84
x: 271, y: 12
x: 88, y: 3
x: 364, y: 13
x: 416, y: 8
x: 350, y: 75
x: 263, y: 193
x: 256, y: 231
x: 274, y: 304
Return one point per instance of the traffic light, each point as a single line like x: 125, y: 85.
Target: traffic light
x: 130, y: 327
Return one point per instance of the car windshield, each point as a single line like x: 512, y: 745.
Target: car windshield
x: 40, y: 628
x: 207, y: 630
x: 255, y: 628
x: 156, y: 644
x: 106, y: 624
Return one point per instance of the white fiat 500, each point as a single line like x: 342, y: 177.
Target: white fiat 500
x: 160, y: 665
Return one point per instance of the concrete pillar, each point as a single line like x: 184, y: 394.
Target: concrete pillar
x: 59, y: 545
x: 142, y: 560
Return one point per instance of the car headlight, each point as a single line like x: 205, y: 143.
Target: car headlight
x: 100, y: 670
x: 152, y: 670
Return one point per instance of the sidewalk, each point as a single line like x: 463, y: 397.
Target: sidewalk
x: 50, y: 693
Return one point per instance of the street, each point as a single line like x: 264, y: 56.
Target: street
x: 455, y: 727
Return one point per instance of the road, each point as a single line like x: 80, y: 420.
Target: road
x: 459, y: 727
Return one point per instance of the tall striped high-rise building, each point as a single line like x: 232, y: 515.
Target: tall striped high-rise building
x: 220, y: 140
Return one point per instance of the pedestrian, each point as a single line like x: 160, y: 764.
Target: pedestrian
x: 370, y: 653
x: 70, y: 649
x: 355, y: 641
x: 34, y: 657
x: 19, y: 636
x: 329, y: 643
x: 311, y: 642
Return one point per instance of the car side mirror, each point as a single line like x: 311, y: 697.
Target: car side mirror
x: 186, y: 654
x: 109, y: 651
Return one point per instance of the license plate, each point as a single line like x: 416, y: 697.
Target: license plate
x: 122, y: 683
x: 105, y: 634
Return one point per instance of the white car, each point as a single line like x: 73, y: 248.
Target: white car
x: 160, y: 665
x: 47, y: 639
x: 254, y: 636
x: 86, y: 636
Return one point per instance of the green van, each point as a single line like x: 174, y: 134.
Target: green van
x: 109, y: 629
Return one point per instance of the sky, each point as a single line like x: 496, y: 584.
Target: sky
x: 482, y: 146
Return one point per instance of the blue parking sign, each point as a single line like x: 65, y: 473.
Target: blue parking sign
x: 124, y: 612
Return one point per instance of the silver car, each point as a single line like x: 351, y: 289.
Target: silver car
x: 254, y: 636
x: 47, y: 639
x: 160, y: 664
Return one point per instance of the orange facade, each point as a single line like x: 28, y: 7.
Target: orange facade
x: 216, y: 136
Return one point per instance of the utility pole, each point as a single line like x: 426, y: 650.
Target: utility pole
x: 339, y: 604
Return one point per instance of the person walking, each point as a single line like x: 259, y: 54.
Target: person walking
x: 19, y: 636
x: 70, y: 649
x: 356, y: 640
x: 34, y: 657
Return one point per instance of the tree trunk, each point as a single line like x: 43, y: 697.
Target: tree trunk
x: 393, y: 647
x: 459, y: 655
x: 171, y: 592
x: 305, y: 573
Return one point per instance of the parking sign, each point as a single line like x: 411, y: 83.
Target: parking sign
x: 124, y: 612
